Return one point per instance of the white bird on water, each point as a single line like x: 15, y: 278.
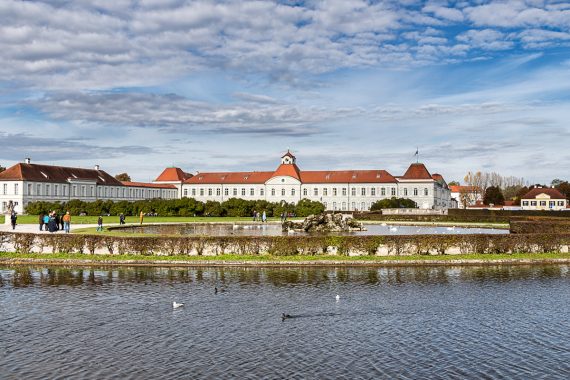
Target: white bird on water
x: 176, y: 305
x: 393, y: 229
x: 337, y: 298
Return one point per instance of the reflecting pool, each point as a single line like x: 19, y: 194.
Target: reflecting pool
x: 228, y: 229
x: 431, y: 322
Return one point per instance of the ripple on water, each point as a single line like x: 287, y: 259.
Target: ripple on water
x: 405, y: 323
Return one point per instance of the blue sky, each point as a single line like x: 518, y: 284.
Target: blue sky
x: 138, y: 85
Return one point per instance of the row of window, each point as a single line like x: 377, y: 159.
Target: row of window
x: 89, y: 191
x: 292, y: 192
x: 543, y: 203
x: 354, y: 206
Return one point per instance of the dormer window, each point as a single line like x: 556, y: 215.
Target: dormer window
x: 246, y: 177
x: 328, y: 176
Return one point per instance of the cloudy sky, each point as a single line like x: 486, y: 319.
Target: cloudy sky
x: 139, y: 85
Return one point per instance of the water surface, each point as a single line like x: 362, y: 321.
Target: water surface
x: 259, y: 229
x: 409, y: 323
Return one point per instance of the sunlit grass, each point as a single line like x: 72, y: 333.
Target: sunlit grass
x: 34, y: 219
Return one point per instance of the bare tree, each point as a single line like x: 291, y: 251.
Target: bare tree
x: 509, y: 185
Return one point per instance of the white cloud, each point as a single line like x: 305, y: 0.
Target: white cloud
x: 487, y: 39
x: 517, y: 13
x: 446, y: 13
x: 100, y: 45
x: 255, y: 114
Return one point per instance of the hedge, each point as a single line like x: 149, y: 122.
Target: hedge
x: 542, y: 226
x: 468, y: 216
x: 235, y: 207
x: 286, y: 245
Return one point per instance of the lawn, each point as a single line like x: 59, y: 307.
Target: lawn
x: 33, y: 219
x: 75, y: 220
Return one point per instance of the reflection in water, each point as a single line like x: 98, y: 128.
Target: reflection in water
x: 389, y: 322
x: 23, y: 276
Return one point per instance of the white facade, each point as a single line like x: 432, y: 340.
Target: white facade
x: 20, y: 192
x: 354, y: 190
x: 350, y: 195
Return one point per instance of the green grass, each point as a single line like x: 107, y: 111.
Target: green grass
x: 75, y: 220
x: 33, y: 219
x: 285, y: 259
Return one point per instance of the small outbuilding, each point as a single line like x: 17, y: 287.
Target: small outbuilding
x: 544, y: 198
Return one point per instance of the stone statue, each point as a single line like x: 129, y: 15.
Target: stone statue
x: 11, y: 207
x: 324, y: 223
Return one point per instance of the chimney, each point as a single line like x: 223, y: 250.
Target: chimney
x: 96, y: 167
x: 27, y: 160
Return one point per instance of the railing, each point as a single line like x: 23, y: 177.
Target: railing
x: 413, y: 211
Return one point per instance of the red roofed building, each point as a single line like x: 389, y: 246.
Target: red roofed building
x: 342, y: 190
x: 26, y: 182
x: 466, y: 196
x: 544, y: 198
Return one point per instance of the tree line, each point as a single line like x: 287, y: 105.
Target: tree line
x: 234, y: 207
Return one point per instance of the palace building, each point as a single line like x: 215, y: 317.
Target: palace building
x: 344, y: 190
x: 26, y: 182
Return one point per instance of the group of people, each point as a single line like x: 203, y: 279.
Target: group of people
x: 53, y: 222
x: 257, y: 217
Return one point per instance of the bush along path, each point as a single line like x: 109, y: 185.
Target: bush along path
x: 321, y: 246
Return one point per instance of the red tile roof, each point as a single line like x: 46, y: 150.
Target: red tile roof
x: 172, y: 174
x: 552, y: 193
x: 61, y: 174
x: 459, y: 189
x: 230, y: 178
x: 437, y: 177
x: 288, y: 170
x: 347, y: 176
x: 416, y: 171
x: 148, y: 185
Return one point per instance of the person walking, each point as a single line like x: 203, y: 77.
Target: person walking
x: 61, y: 221
x: 57, y: 220
x: 141, y: 217
x: 264, y: 217
x: 122, y: 218
x: 66, y: 222
x: 41, y: 220
x: 13, y: 219
x: 100, y: 223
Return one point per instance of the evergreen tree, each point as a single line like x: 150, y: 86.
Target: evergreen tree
x: 494, y: 195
